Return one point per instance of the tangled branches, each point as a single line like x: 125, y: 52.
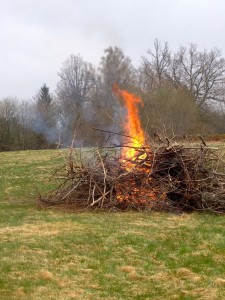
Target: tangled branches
x: 168, y: 178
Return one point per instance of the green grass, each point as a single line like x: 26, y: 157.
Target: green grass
x: 50, y: 254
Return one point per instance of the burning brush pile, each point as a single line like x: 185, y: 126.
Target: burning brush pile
x: 137, y: 176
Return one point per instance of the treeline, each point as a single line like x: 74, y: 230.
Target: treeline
x: 183, y: 93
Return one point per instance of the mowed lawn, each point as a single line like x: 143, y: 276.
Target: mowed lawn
x: 50, y: 254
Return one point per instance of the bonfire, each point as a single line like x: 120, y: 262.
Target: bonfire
x: 165, y: 177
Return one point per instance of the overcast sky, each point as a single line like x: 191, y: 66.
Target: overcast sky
x: 37, y: 36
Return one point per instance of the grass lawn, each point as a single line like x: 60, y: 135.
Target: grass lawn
x: 48, y: 254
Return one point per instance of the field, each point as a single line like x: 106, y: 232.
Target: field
x: 50, y: 254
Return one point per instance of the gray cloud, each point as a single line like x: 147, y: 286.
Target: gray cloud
x: 37, y: 36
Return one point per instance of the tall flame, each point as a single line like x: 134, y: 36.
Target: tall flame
x: 132, y: 123
x: 137, y: 190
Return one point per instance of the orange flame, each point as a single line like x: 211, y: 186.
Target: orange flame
x: 137, y: 192
x: 132, y: 125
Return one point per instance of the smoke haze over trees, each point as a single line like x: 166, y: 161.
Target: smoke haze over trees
x: 183, y: 92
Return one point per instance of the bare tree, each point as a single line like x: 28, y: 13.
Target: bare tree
x: 76, y: 84
x: 26, y: 135
x: 115, y: 68
x: 201, y: 72
x: 75, y: 91
x: 8, y: 122
x: 155, y: 65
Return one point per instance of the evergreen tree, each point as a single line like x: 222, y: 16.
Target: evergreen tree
x: 45, y: 119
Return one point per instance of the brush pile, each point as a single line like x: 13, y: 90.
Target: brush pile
x: 168, y: 178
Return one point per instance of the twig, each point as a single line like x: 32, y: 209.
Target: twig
x: 201, y: 138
